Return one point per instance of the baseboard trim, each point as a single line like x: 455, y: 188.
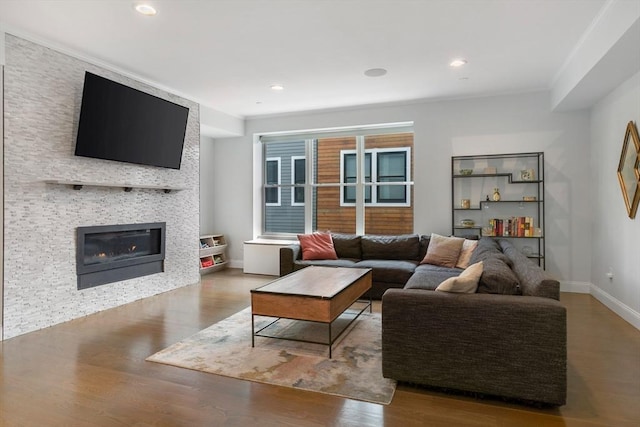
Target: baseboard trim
x: 621, y: 309
x: 575, y: 287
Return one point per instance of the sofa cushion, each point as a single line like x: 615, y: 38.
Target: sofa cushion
x: 466, y: 282
x: 443, y: 251
x: 347, y: 245
x: 403, y: 247
x: 498, y: 278
x: 389, y: 271
x: 534, y: 281
x: 317, y: 246
x: 428, y: 276
x: 488, y: 248
x: 468, y: 246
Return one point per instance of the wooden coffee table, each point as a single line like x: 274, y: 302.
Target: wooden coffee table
x: 313, y: 294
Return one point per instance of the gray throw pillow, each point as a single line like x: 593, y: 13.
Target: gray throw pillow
x: 498, y: 278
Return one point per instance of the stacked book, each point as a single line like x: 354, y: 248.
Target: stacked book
x: 521, y: 226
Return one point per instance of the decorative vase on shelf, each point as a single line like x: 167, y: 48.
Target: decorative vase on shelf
x: 496, y: 195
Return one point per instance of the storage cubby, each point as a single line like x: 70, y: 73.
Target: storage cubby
x: 213, y: 255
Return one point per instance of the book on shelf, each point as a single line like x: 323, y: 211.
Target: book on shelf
x: 511, y: 227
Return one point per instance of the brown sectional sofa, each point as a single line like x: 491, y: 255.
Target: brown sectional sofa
x: 508, y: 339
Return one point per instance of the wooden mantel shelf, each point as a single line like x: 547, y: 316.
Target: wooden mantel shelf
x: 78, y: 185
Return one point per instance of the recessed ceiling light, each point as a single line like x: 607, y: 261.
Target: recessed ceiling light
x: 277, y: 87
x: 375, y: 72
x: 458, y: 62
x: 146, y: 9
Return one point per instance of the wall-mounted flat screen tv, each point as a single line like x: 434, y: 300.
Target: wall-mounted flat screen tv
x: 124, y: 124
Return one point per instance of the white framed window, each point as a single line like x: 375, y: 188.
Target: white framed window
x: 381, y: 167
x: 298, y: 173
x: 301, y: 183
x: 272, y: 175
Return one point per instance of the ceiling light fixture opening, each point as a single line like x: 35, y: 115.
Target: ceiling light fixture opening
x: 458, y: 62
x: 375, y: 72
x: 277, y: 87
x: 146, y: 9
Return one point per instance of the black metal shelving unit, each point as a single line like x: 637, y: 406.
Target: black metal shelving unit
x: 513, y: 176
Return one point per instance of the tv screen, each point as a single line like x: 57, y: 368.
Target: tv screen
x: 120, y: 123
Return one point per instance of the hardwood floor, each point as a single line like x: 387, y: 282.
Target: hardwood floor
x: 92, y: 372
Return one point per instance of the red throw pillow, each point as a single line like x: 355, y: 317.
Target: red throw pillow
x: 317, y: 246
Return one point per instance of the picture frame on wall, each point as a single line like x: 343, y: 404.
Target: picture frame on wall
x: 628, y: 169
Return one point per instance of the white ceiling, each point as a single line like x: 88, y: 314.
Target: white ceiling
x: 225, y: 54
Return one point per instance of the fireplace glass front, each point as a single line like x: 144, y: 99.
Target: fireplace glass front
x: 113, y: 253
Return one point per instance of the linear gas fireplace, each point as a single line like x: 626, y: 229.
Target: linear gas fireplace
x: 111, y: 253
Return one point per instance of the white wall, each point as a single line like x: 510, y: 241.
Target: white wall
x: 518, y: 123
x: 2, y: 59
x: 616, y: 237
x: 208, y: 187
x: 226, y: 192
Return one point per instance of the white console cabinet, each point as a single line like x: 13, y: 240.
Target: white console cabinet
x: 262, y: 256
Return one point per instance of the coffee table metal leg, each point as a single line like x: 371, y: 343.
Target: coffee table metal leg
x: 330, y: 343
x: 253, y: 335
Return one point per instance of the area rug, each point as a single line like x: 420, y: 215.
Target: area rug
x: 354, y: 371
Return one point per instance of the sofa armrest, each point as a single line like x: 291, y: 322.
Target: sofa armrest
x: 288, y: 255
x: 503, y: 345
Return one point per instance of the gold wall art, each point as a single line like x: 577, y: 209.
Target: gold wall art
x: 628, y: 169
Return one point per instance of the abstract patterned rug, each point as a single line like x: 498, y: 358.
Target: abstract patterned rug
x: 354, y: 371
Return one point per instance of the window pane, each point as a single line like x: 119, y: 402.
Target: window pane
x: 327, y: 152
x: 298, y: 178
x: 329, y: 215
x: 271, y: 195
x: 367, y: 177
x: 391, y: 194
x: 281, y: 213
x: 349, y: 193
x: 272, y: 172
x: 392, y: 166
x: 299, y: 165
x: 350, y: 169
x: 393, y: 154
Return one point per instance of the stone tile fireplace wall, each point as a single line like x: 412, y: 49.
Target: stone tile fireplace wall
x: 42, y: 96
